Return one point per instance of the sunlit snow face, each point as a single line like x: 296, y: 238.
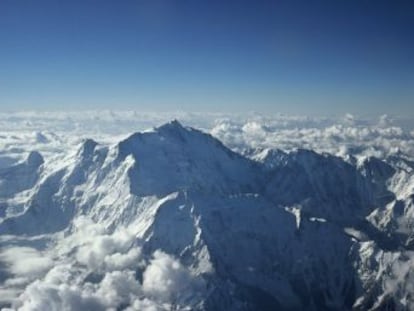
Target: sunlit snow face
x: 92, y: 269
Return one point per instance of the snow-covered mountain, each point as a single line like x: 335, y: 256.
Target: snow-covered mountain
x: 171, y: 219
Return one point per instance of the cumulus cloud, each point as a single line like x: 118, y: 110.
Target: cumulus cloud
x: 99, y: 249
x: 167, y: 280
x: 346, y: 138
x: 145, y: 305
x: 40, y: 296
x: 65, y: 289
x: 109, y: 252
x: 25, y: 261
x: 93, y: 268
x: 119, y: 288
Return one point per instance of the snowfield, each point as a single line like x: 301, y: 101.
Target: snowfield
x: 212, y: 212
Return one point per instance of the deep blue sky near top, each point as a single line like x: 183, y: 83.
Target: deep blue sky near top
x: 306, y: 57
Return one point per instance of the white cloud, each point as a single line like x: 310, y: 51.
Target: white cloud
x: 332, y: 137
x: 93, y: 268
x: 99, y: 249
x: 25, y: 261
x: 40, y: 296
x: 119, y: 288
x: 167, y: 280
x: 144, y: 304
x: 120, y: 261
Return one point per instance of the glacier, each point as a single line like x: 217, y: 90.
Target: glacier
x: 174, y: 219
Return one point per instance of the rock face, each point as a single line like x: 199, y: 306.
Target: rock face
x: 276, y: 231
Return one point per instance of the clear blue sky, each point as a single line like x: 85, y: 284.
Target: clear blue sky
x: 307, y: 57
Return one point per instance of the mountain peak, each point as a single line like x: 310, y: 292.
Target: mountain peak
x: 135, y: 141
x: 190, y: 158
x: 173, y: 126
x: 34, y: 158
x: 87, y: 147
